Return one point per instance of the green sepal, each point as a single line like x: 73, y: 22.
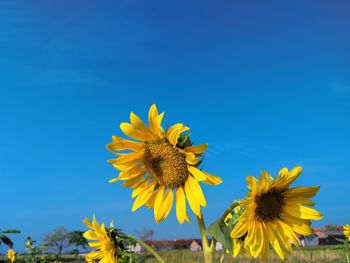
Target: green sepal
x: 184, y: 141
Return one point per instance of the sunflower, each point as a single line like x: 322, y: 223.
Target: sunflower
x: 11, y: 255
x: 274, y: 213
x: 105, y: 248
x: 160, y: 163
x: 346, y: 230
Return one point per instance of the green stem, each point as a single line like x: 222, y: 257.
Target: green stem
x: 208, y: 252
x: 347, y: 257
x: 148, y: 248
x: 222, y: 258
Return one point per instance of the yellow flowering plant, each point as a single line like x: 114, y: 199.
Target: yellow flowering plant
x: 35, y: 254
x: 163, y: 168
x: 344, y: 244
x: 110, y: 245
x: 11, y: 255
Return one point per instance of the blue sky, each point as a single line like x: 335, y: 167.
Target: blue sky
x: 265, y: 83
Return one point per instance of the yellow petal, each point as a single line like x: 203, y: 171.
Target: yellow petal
x: 133, y: 171
x: 266, y: 247
x: 274, y: 241
x: 197, y: 191
x: 300, y: 200
x: 90, y: 235
x: 87, y: 223
x: 119, y: 144
x: 134, y: 182
x: 302, y: 212
x: 158, y: 126
x: 155, y: 120
x: 181, y: 206
x: 192, y: 200
x: 306, y: 192
x: 167, y: 204
x: 191, y: 159
x: 144, y: 196
x: 173, y: 133
x: 198, y: 174
x: 139, y: 189
x: 138, y: 124
x: 249, y: 240
x: 133, y: 132
x: 128, y: 158
x: 157, y: 204
x: 150, y: 203
x: 252, y: 184
x: 240, y: 228
x: 198, y: 149
x: 152, y: 115
x: 287, y: 180
x: 114, y: 180
x: 257, y: 247
x: 288, y: 231
x: 283, y: 173
x: 236, y: 247
x: 300, y: 226
x: 282, y: 237
x: 211, y: 179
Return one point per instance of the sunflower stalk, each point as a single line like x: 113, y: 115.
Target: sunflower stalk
x: 148, y: 248
x: 208, y: 250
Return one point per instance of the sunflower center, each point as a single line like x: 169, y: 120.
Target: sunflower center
x: 165, y: 163
x: 269, y: 205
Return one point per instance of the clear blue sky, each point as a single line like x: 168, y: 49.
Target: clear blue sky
x: 265, y: 83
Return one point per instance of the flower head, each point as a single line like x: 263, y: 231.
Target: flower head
x: 346, y: 230
x: 11, y: 255
x: 105, y: 247
x: 273, y: 214
x: 158, y: 163
x: 29, y: 243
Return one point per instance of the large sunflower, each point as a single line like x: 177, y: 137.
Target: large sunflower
x: 105, y: 248
x: 346, y: 230
x: 274, y: 214
x: 159, y: 163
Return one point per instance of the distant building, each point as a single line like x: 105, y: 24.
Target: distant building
x: 218, y: 246
x: 330, y: 237
x: 196, y: 246
x: 135, y: 248
x: 309, y: 241
x: 164, y: 245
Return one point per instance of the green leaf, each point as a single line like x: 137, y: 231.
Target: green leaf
x: 221, y: 233
x: 221, y: 230
x: 340, y: 240
x: 6, y: 240
x: 11, y: 231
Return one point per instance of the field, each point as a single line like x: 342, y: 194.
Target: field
x: 317, y: 255
x: 176, y: 256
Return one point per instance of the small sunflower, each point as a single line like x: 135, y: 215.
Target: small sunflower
x: 273, y: 214
x: 11, y: 255
x: 346, y: 230
x: 159, y: 163
x: 105, y: 248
